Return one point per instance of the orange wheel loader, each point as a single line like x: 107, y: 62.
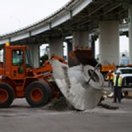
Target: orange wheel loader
x: 18, y: 79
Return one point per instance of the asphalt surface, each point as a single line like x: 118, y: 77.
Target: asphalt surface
x: 21, y: 118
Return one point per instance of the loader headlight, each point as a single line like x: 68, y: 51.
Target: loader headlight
x: 7, y: 44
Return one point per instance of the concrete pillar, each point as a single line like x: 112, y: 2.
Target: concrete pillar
x: 56, y: 46
x: 93, y: 39
x: 35, y: 54
x: 130, y: 34
x: 69, y: 46
x: 81, y: 39
x: 109, y: 42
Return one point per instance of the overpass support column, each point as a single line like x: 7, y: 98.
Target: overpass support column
x: 130, y: 34
x: 56, y: 46
x: 69, y: 46
x: 109, y: 42
x: 81, y: 39
x: 35, y: 54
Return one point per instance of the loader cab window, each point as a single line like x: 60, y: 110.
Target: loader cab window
x: 1, y: 55
x: 28, y: 59
x: 17, y: 58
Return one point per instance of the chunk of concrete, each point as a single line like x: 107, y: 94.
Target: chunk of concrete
x: 73, y: 83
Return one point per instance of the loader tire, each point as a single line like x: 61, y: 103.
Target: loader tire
x: 95, y: 77
x: 6, y: 95
x: 38, y: 94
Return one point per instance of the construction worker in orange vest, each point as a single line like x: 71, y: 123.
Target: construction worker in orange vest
x: 109, y: 77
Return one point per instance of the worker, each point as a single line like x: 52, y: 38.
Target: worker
x: 109, y: 77
x: 117, y: 82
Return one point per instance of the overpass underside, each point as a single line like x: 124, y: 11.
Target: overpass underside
x: 100, y: 18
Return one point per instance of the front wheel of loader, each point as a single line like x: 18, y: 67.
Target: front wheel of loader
x: 38, y: 94
x: 6, y: 95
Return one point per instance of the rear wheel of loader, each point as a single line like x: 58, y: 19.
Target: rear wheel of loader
x: 38, y: 94
x: 6, y: 95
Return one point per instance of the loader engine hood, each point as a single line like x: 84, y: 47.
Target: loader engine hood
x: 81, y: 85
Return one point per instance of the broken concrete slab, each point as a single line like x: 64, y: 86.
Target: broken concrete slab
x: 73, y: 84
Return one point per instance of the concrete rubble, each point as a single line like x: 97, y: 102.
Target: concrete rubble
x: 81, y: 85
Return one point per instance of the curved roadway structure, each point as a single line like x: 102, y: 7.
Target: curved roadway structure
x: 82, y: 15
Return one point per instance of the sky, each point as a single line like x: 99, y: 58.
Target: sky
x: 17, y: 14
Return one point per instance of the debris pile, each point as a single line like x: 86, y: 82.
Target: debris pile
x: 59, y: 104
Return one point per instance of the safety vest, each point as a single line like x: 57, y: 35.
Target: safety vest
x: 119, y: 83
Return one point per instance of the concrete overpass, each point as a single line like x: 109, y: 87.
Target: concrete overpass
x: 80, y: 19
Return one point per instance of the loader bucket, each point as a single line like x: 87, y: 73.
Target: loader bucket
x: 77, y: 84
x: 84, y: 57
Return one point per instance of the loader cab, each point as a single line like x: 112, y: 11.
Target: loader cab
x: 15, y: 62
x: 17, y: 57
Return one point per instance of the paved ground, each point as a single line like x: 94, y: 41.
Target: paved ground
x: 21, y: 118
